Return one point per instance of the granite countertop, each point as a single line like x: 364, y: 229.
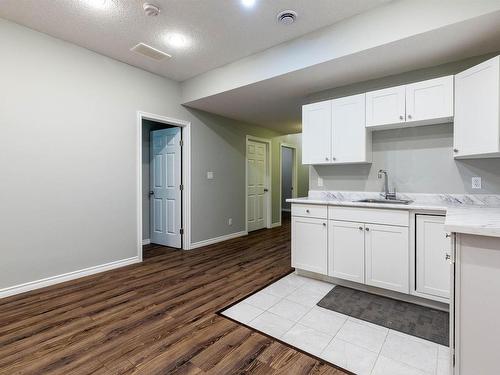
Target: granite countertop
x: 465, y: 213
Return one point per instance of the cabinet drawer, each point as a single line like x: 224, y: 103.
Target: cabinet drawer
x: 370, y: 215
x: 310, y: 210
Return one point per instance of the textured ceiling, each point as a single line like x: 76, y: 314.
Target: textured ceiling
x: 220, y: 31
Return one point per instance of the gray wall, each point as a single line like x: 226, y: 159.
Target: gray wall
x: 68, y: 157
x: 418, y: 159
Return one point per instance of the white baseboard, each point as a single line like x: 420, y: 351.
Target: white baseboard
x: 146, y: 242
x: 211, y: 241
x: 274, y: 225
x: 37, y: 284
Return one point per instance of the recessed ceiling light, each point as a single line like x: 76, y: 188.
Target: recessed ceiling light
x: 97, y: 4
x: 248, y: 3
x: 177, y: 40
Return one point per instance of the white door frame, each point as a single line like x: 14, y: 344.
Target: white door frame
x: 268, y: 180
x: 294, y: 173
x: 186, y: 175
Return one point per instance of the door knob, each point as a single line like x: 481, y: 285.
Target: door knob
x: 367, y: 229
x: 401, y: 117
x: 326, y: 158
x: 409, y: 116
x: 307, y: 211
x: 455, y: 150
x: 324, y: 224
x: 266, y: 190
x: 447, y: 235
x: 360, y: 228
x: 447, y: 256
x: 151, y: 192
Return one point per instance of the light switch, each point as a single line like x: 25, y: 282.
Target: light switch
x: 320, y: 181
x: 210, y: 175
x: 476, y: 182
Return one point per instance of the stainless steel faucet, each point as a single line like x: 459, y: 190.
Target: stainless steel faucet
x: 387, y: 194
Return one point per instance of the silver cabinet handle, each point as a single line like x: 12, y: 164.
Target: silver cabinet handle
x: 360, y: 228
x: 401, y: 117
x: 455, y: 150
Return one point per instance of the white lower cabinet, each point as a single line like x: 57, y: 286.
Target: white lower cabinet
x: 387, y: 257
x: 432, y: 248
x: 346, y: 250
x: 310, y: 244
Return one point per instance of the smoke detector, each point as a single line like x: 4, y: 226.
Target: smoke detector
x: 151, y: 9
x: 287, y: 17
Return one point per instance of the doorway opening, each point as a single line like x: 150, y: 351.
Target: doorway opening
x: 258, y: 183
x: 288, y: 179
x: 164, y: 188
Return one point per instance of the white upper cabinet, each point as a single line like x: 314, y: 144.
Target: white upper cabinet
x: 430, y: 101
x: 477, y: 111
x: 317, y: 133
x: 334, y: 132
x: 421, y: 103
x: 351, y: 142
x: 385, y: 107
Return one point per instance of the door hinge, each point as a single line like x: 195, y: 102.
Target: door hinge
x: 181, y: 231
x: 181, y: 187
x: 181, y: 142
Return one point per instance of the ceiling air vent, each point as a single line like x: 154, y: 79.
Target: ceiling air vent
x: 287, y: 17
x: 150, y: 52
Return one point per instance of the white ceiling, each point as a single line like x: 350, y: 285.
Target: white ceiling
x: 276, y: 102
x: 221, y: 31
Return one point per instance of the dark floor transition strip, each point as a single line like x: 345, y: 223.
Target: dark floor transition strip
x: 420, y: 321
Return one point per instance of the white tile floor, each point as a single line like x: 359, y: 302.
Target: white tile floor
x: 287, y: 310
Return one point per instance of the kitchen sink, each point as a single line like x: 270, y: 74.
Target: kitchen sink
x: 391, y: 201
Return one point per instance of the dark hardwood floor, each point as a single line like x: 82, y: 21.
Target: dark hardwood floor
x: 157, y: 317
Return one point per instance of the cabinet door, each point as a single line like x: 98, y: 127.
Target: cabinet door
x: 309, y: 244
x: 430, y: 101
x: 351, y: 142
x: 385, y: 107
x: 346, y: 250
x: 317, y: 133
x: 477, y: 100
x: 387, y: 257
x: 432, y: 247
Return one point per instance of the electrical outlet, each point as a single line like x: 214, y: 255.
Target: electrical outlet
x: 210, y: 175
x: 230, y: 221
x: 476, y: 182
x: 320, y: 181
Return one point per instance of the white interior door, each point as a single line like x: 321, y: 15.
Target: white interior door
x: 165, y: 187
x: 257, y: 189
